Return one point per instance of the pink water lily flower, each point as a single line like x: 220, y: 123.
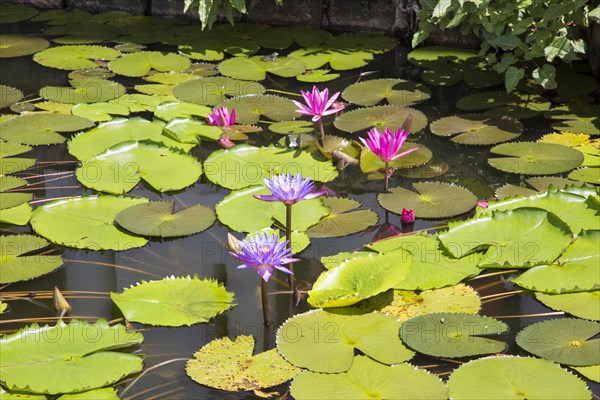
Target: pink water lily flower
x: 221, y: 117
x: 408, y: 216
x: 289, y: 189
x: 318, y: 103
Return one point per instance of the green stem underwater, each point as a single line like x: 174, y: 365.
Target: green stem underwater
x: 288, y: 237
x: 265, y: 302
x: 387, y: 176
x: 322, y: 131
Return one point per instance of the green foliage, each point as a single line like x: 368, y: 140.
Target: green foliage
x: 208, y: 10
x: 518, y: 37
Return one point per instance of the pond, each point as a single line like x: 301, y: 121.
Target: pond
x: 436, y: 84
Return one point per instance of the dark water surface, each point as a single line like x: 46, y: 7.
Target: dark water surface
x: 88, y: 277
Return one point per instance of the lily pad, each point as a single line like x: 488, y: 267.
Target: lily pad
x: 586, y: 174
x: 291, y: 127
x: 97, y: 394
x: 14, y: 164
x: 74, y: 57
x: 228, y: 364
x: 360, y: 278
x: 99, y: 112
x: 83, y: 91
x: 395, y: 91
x: 432, y: 55
x: 338, y: 59
x: 564, y: 341
x: 18, y: 215
x: 215, y: 90
x: 233, y: 211
x: 317, y: 75
x: 582, y: 304
x: 91, y: 73
x: 8, y: 149
x: 478, y: 129
x: 368, y: 379
x: 141, y: 63
x: 108, y: 134
x: 243, y: 165
x: 141, y: 102
x: 429, y: 200
x: 336, y: 336
x: 15, y: 266
x: 10, y: 13
x: 91, y: 223
x: 255, y: 69
x: 84, y: 33
x: 12, y: 198
x: 174, y: 301
x: 592, y: 372
x: 427, y: 171
x: 190, y: 130
x: 533, y: 158
x: 157, y: 219
x: 432, y: 267
x: 41, y: 129
x: 342, y: 221
x: 120, y: 168
x: 250, y: 108
x: 9, y: 95
x: 170, y: 110
x: 369, y: 162
x: 519, y: 238
x: 522, y: 378
x: 453, y: 335
x: 576, y: 270
x: 68, y: 360
x: 406, y: 304
x: 390, y: 116
x: 62, y: 17
x: 21, y: 45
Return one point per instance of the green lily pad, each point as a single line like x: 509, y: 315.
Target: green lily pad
x: 99, y: 112
x: 155, y: 89
x: 13, y: 198
x: 74, y: 57
x: 368, y: 379
x: 360, y: 278
x: 91, y: 222
x: 522, y: 378
x: 91, y: 73
x: 21, y: 45
x: 579, y: 118
x: 519, y: 238
x: 317, y: 75
x: 432, y: 268
x: 337, y: 335
x: 202, y: 69
x: 228, y: 364
x: 14, y: 164
x: 157, y: 219
x: 10, y: 14
x: 233, y: 211
x: 255, y: 69
x: 427, y: 171
x: 62, y: 17
x: 8, y: 149
x: 592, y: 372
x: 70, y: 361
x: 18, y: 215
x: 429, y: 200
x: 339, y: 258
x: 120, y: 168
x: 97, y: 394
x: 15, y: 266
x: 173, y: 301
x: 406, y: 304
x: 432, y: 55
x: 369, y: 162
x: 338, y: 59
x: 572, y: 208
x: 564, y: 341
x: 83, y: 91
x: 141, y: 63
x: 41, y: 129
x: 486, y: 100
x: 250, y: 108
x: 390, y: 116
x: 533, y: 158
x: 250, y: 165
x: 214, y: 90
x: 395, y: 91
x: 586, y: 174
x: 84, y: 33
x: 342, y: 221
x: 291, y: 127
x: 582, y: 304
x: 9, y: 96
x: 508, y: 191
x: 576, y: 270
x: 478, y: 129
x: 109, y: 134
x: 453, y: 335
x: 175, y: 109
x: 190, y: 130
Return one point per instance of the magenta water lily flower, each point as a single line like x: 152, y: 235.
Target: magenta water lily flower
x: 407, y: 217
x: 265, y: 254
x: 318, y: 103
x: 289, y: 189
x: 221, y: 117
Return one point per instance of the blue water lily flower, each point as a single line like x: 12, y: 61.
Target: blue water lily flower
x: 289, y: 189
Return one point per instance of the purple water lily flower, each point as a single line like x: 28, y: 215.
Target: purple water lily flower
x: 221, y: 117
x: 289, y: 189
x: 318, y: 103
x: 408, y: 216
x: 265, y: 254
x: 386, y: 145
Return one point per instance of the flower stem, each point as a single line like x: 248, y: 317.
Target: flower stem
x: 322, y: 131
x: 288, y: 237
x: 265, y: 302
x: 387, y: 176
